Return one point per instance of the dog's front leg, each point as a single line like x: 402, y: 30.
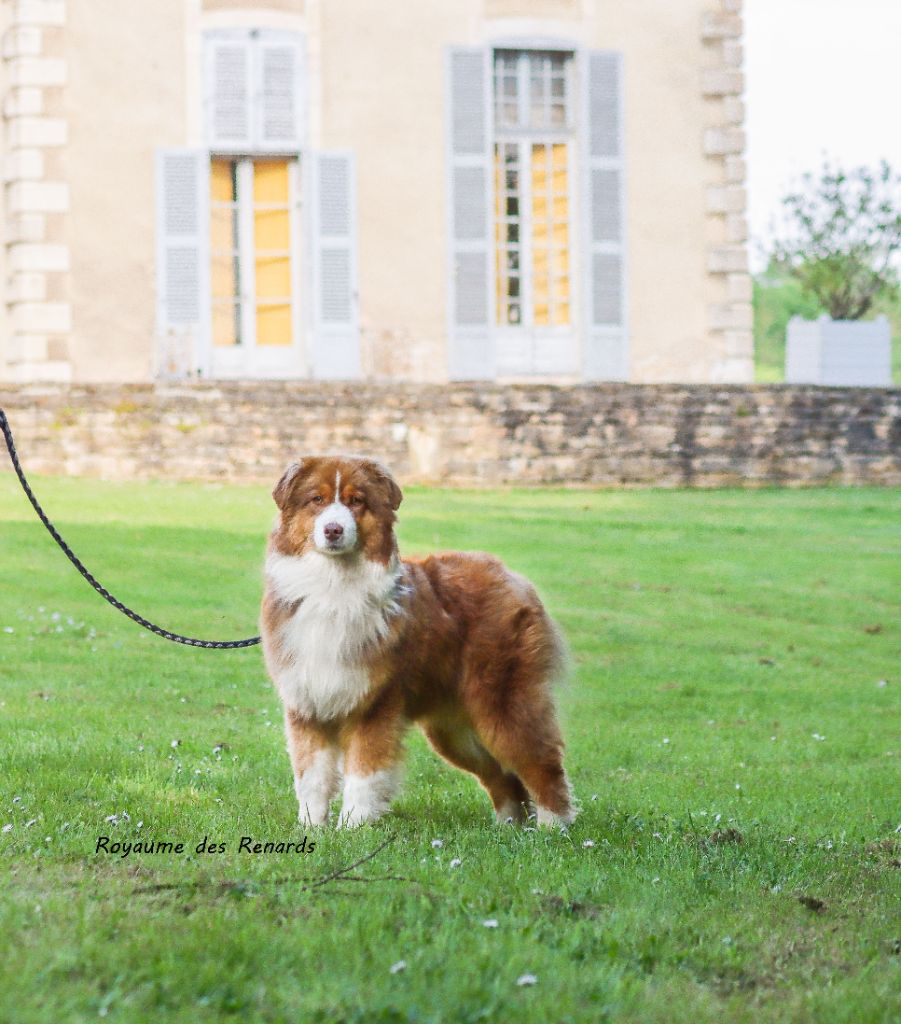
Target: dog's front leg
x: 314, y: 758
x: 372, y: 750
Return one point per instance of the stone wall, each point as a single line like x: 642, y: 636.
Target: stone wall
x: 483, y: 434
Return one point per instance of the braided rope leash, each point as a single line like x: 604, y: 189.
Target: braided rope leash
x: 101, y: 590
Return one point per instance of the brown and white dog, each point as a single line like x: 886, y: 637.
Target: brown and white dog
x: 360, y: 643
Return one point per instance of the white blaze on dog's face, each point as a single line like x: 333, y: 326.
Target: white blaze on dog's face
x: 335, y: 529
x: 338, y: 506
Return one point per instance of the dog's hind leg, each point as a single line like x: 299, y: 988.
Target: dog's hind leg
x: 458, y: 744
x: 534, y: 751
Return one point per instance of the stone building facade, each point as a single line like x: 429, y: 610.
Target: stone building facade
x: 511, y: 190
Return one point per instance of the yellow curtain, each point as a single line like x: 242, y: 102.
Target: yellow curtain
x: 272, y: 256
x: 550, y: 234
x: 223, y: 266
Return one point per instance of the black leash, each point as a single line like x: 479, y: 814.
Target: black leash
x: 101, y: 590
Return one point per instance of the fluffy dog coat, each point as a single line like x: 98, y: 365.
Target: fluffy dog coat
x: 360, y: 643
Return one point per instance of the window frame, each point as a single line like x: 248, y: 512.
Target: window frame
x: 522, y: 347
x: 246, y: 355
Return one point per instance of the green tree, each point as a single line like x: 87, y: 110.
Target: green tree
x: 840, y: 238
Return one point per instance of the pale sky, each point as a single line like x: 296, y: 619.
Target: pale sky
x: 823, y: 76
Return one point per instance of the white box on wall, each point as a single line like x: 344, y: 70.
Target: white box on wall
x: 855, y: 353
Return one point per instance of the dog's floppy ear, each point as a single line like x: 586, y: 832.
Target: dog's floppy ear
x: 283, y: 488
x: 395, y: 494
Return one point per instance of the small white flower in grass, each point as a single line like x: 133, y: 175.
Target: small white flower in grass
x: 656, y: 835
x: 140, y: 824
x: 8, y: 828
x: 175, y: 743
x: 456, y: 862
x: 48, y: 839
x: 8, y: 629
x: 654, y: 881
x: 33, y: 821
x: 738, y: 785
x: 55, y: 616
x: 776, y: 888
x: 112, y: 818
x: 587, y: 844
x: 666, y: 739
x: 817, y: 736
x: 490, y: 922
x: 773, y: 738
x: 882, y: 684
x: 17, y: 799
x: 437, y: 844
x: 527, y: 979
x: 401, y: 965
x: 594, y: 797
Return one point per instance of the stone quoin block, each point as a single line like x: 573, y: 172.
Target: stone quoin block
x: 736, y: 228
x: 41, y: 317
x: 38, y: 256
x: 735, y: 169
x: 720, y: 25
x: 23, y: 164
x: 739, y: 287
x: 26, y: 227
x: 27, y: 348
x: 38, y: 197
x: 727, y: 259
x: 730, y: 315
x: 37, y: 131
x: 56, y: 372
x: 738, y: 344
x: 733, y: 111
x: 27, y: 287
x: 722, y: 82
x: 37, y: 71
x: 22, y: 41
x: 39, y: 12
x: 23, y: 102
x: 732, y: 53
x: 725, y: 199
x: 723, y: 141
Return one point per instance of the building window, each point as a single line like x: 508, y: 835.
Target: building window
x: 532, y: 178
x: 254, y: 255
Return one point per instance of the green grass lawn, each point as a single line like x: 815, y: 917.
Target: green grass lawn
x: 732, y: 726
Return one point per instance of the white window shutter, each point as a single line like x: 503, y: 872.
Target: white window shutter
x: 605, y: 347
x: 472, y: 353
x: 336, y: 336
x: 280, y: 116
x: 182, y: 261
x: 228, y: 90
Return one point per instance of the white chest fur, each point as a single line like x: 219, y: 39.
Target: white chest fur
x: 345, y: 609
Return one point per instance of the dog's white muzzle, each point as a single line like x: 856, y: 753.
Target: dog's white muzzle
x: 335, y: 530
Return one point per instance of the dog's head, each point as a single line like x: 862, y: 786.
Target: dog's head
x: 338, y: 505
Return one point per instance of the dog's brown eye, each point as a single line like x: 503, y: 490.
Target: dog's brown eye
x: 356, y: 501
x: 316, y: 500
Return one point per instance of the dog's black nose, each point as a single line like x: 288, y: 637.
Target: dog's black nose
x: 333, y: 531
